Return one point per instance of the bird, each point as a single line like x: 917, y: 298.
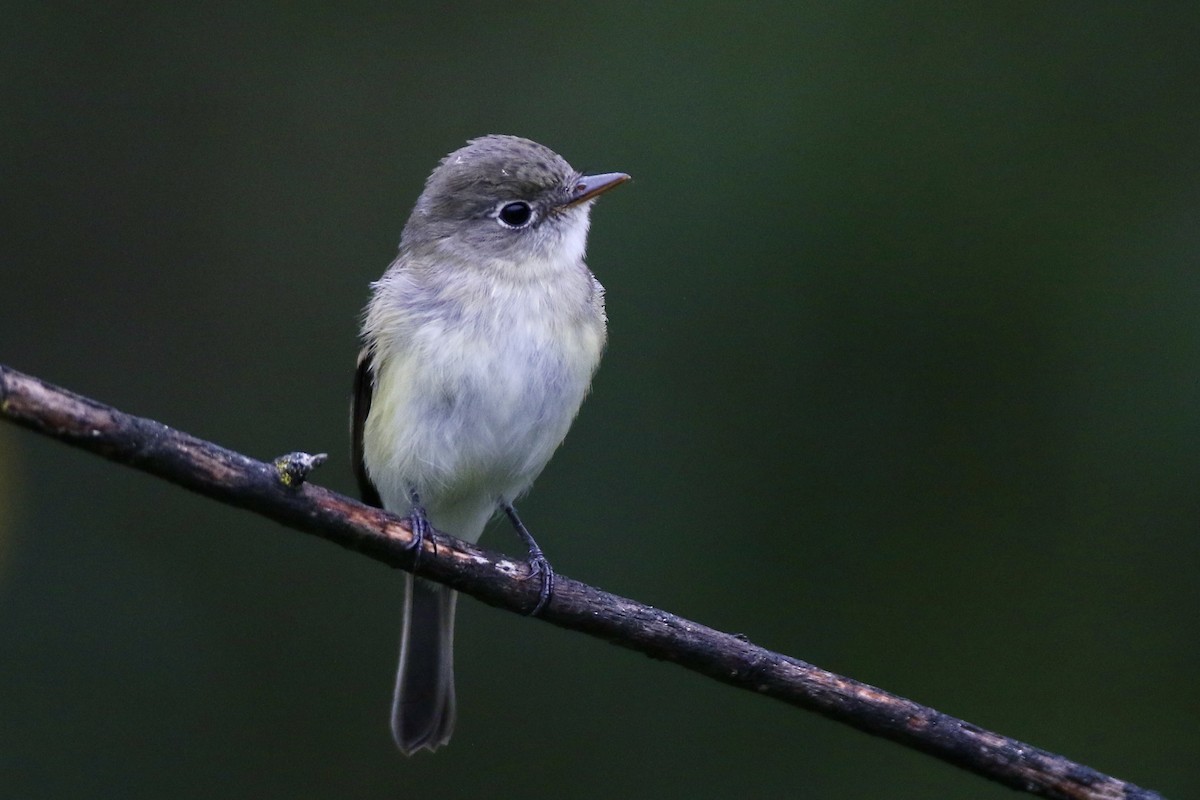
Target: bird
x: 479, y: 344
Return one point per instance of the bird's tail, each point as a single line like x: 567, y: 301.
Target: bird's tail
x: 423, y: 708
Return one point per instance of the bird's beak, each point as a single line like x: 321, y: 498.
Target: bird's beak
x: 590, y: 186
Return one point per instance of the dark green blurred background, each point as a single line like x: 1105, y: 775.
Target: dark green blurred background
x: 902, y: 380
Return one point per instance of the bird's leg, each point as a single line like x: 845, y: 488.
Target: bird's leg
x: 420, y: 527
x: 538, y: 565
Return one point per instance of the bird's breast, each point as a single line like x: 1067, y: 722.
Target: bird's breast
x: 472, y: 400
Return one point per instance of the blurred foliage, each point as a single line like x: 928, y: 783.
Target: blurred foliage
x: 901, y: 380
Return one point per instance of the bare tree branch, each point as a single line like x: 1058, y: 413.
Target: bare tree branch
x: 279, y: 491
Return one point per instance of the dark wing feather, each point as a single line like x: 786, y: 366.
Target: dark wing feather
x: 360, y: 406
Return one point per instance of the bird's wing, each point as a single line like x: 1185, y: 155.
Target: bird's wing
x: 360, y: 406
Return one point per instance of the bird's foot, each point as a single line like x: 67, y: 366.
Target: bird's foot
x: 419, y: 524
x: 538, y: 565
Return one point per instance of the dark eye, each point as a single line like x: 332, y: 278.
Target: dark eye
x: 516, y: 214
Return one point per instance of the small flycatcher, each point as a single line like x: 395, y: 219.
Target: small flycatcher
x: 480, y: 342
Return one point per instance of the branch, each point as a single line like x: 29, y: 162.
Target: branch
x: 279, y: 491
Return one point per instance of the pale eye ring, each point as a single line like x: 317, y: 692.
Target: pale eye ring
x: 515, y: 214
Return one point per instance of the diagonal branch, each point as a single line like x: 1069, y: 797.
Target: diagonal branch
x: 279, y: 492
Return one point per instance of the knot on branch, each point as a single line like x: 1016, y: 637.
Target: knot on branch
x: 293, y: 469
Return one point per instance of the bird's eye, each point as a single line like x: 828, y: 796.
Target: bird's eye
x: 516, y: 214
